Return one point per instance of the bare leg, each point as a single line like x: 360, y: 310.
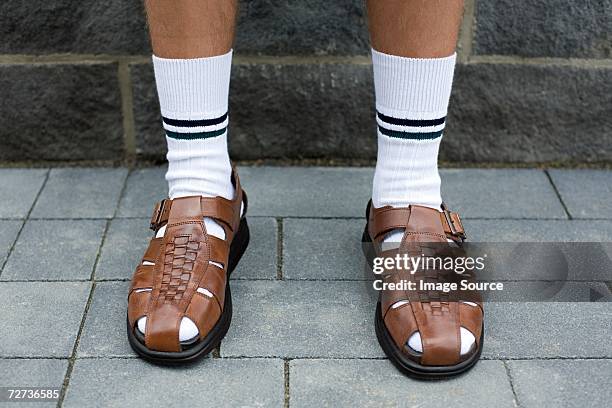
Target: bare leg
x: 415, y: 28
x: 191, y: 28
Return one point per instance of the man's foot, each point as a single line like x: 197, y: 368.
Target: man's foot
x: 179, y: 304
x: 426, y: 334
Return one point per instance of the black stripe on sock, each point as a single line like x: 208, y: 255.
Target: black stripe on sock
x: 194, y: 123
x: 410, y: 122
x: 410, y: 135
x: 198, y: 135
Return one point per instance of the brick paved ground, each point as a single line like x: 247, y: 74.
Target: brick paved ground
x: 302, y: 332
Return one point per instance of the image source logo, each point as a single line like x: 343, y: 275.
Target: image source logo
x: 505, y: 272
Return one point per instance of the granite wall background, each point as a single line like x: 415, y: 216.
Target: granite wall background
x: 534, y: 82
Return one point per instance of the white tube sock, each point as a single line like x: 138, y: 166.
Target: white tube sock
x: 412, y: 96
x: 193, y: 96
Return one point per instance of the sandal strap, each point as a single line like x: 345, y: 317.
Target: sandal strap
x: 152, y: 250
x: 386, y: 219
x: 160, y: 214
x: 439, y: 326
x: 218, y: 208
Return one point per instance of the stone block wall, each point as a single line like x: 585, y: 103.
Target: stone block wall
x: 533, y: 85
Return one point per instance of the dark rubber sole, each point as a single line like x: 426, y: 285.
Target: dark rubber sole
x: 219, y: 330
x: 396, y: 356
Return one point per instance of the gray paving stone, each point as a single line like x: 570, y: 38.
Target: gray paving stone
x: 475, y: 193
x: 144, y: 188
x: 504, y: 342
x: 340, y: 324
x: 500, y: 193
x: 302, y: 319
x: 377, y: 383
x: 66, y: 111
x: 569, y: 30
x: 18, y: 191
x: 273, y: 191
x: 55, y: 250
x: 538, y: 230
x: 521, y: 289
x: 260, y: 259
x: 127, y: 240
x: 322, y: 249
x: 336, y: 251
x: 80, y: 193
x: 344, y: 192
x: 549, y: 250
x: 548, y: 330
x: 40, y: 319
x: 307, y: 191
x: 104, y: 333
x: 8, y: 233
x: 562, y: 383
x: 586, y: 193
x: 212, y: 382
x: 123, y: 248
x: 37, y: 373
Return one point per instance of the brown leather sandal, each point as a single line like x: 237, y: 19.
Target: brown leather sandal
x: 185, y: 273
x: 437, y: 316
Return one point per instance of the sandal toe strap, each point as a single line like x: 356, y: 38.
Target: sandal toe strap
x: 438, y: 323
x: 204, y: 312
x: 142, y: 278
x: 137, y: 305
x: 401, y: 324
x: 471, y: 318
x: 163, y: 324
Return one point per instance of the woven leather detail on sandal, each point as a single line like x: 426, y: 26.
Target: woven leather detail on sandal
x: 179, y: 257
x: 437, y: 302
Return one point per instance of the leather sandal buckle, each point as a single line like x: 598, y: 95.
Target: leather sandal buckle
x: 157, y: 214
x: 456, y: 230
